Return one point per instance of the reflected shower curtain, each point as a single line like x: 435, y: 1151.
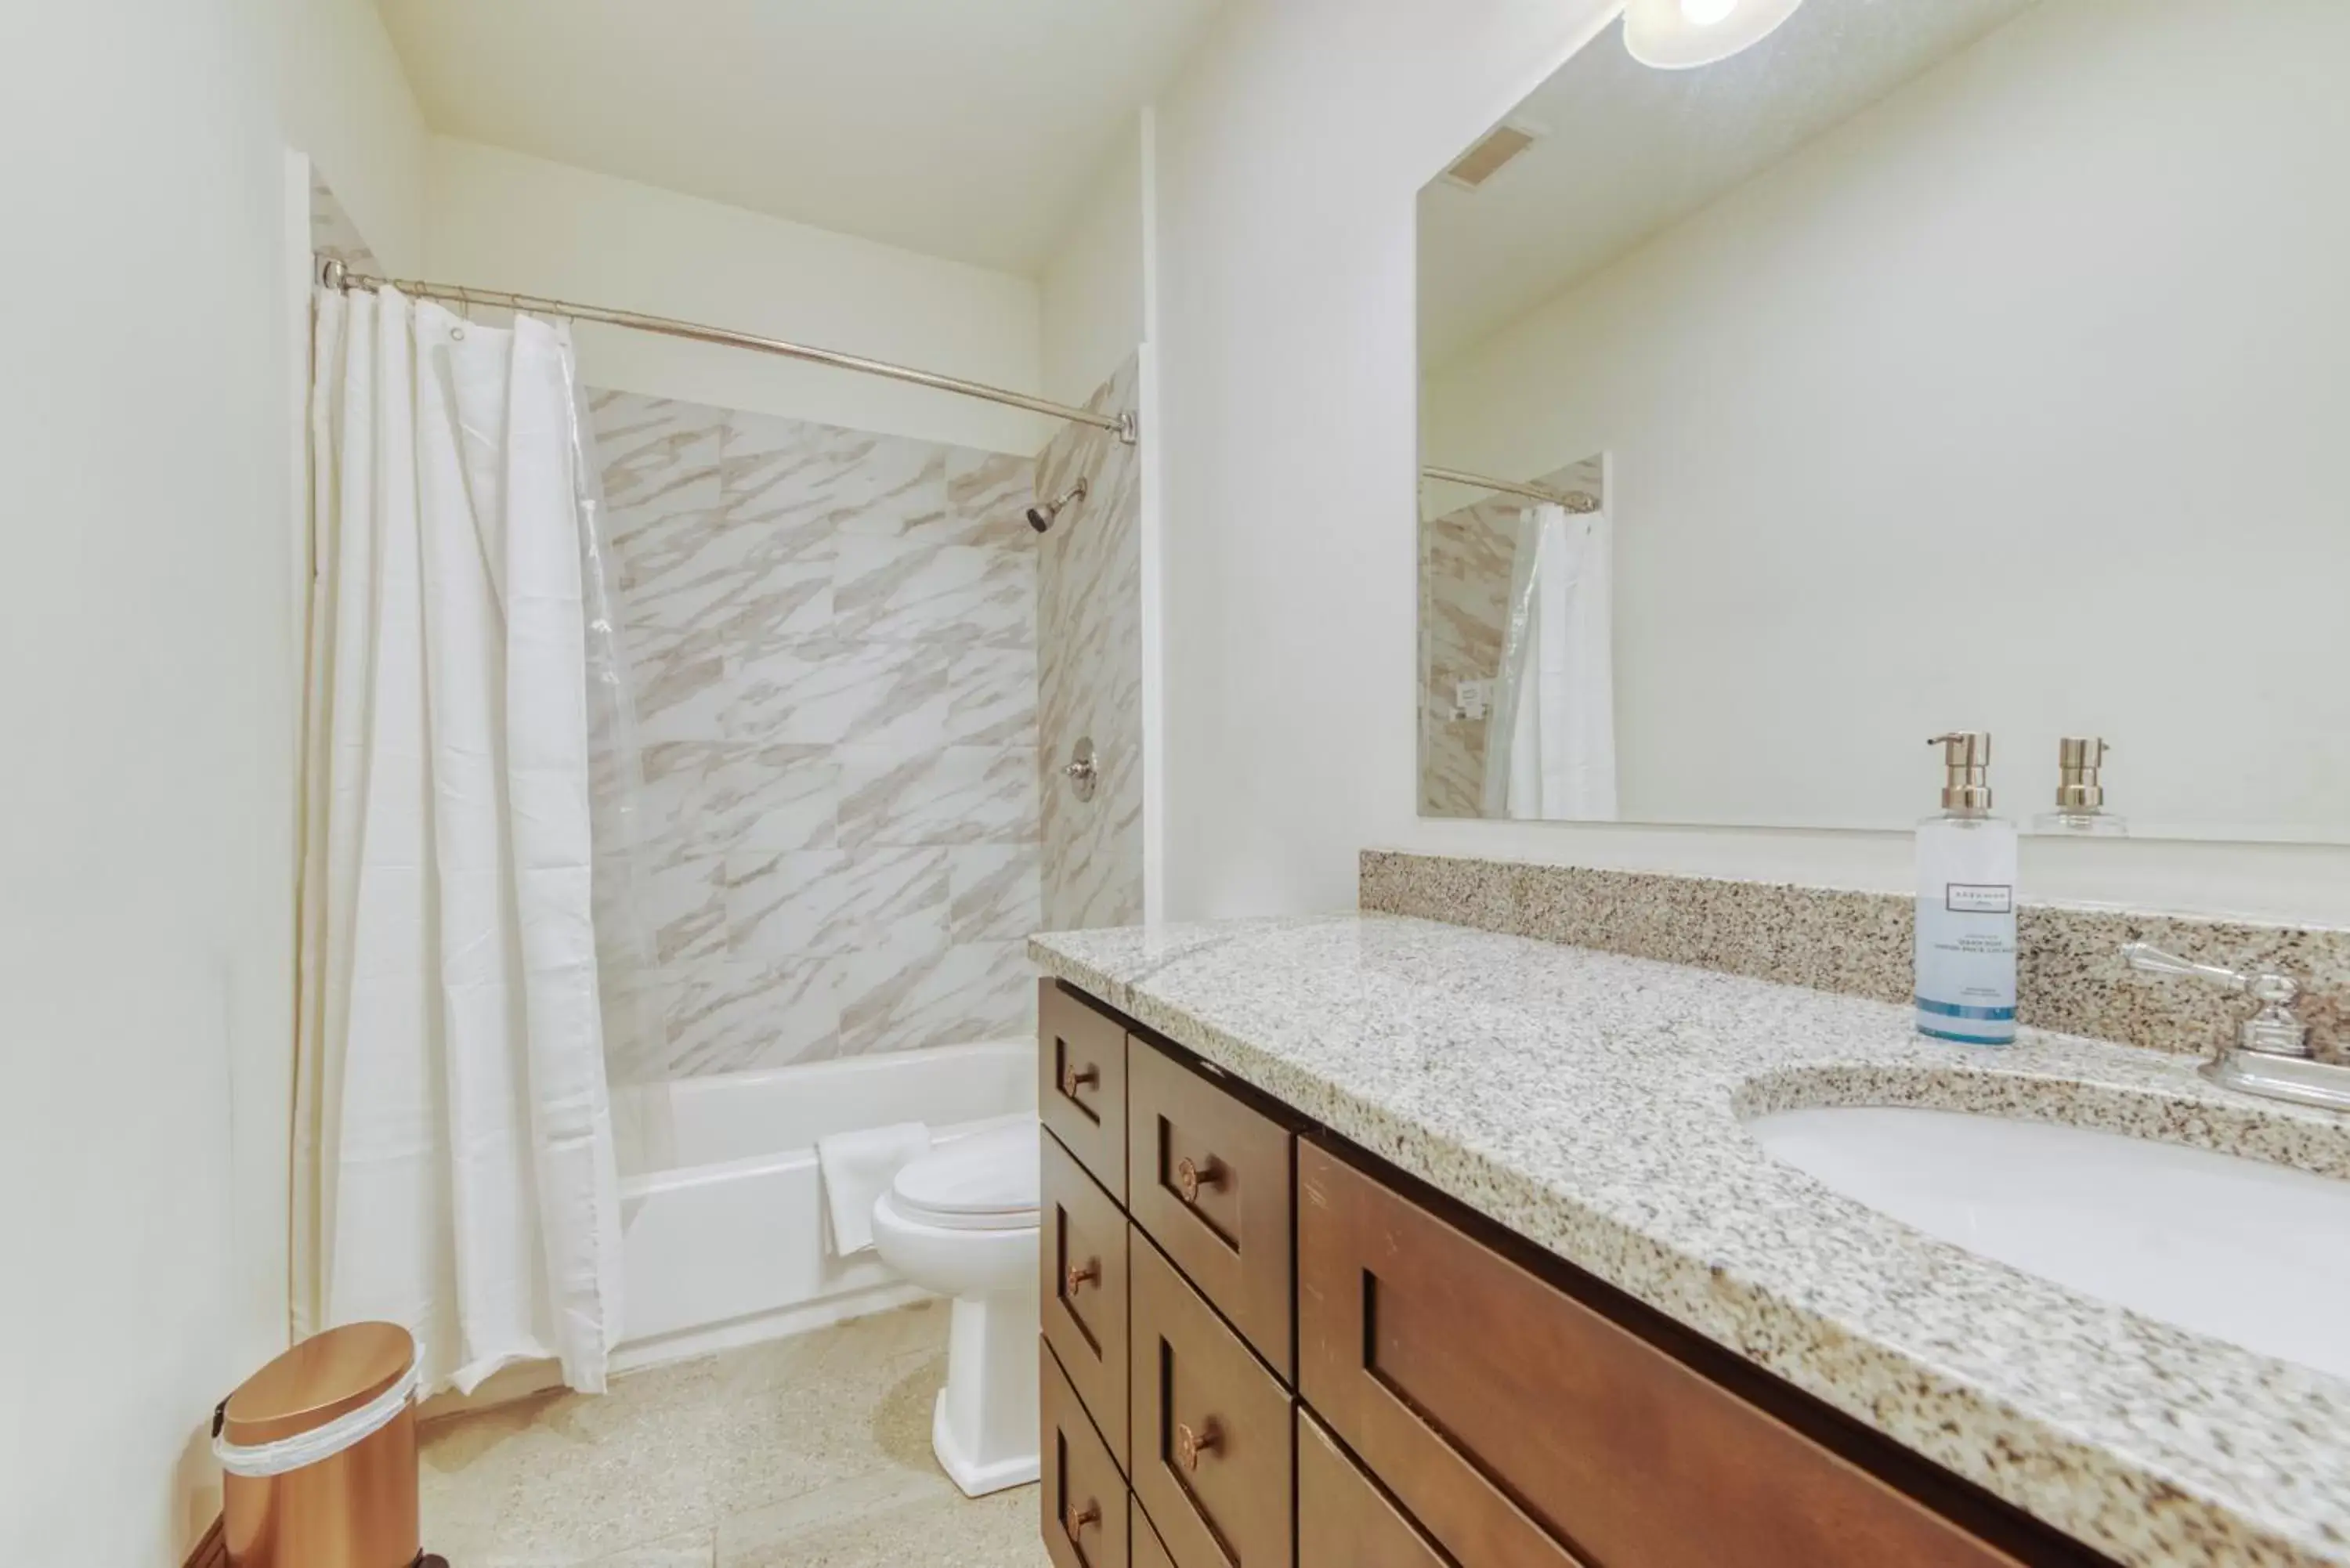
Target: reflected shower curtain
x: 454, y: 1167
x: 1550, y: 735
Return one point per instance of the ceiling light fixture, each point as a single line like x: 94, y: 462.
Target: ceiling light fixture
x: 1676, y: 35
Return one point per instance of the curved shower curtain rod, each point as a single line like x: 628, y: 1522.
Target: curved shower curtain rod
x: 336, y: 275
x: 1573, y: 500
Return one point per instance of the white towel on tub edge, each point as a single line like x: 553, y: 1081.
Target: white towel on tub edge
x: 858, y: 1169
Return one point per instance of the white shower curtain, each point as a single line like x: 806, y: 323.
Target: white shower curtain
x: 1550, y: 738
x: 453, y: 1143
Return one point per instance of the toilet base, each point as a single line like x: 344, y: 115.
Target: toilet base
x: 983, y: 1428
x: 975, y: 1478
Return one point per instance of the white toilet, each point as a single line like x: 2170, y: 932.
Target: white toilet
x: 961, y: 1221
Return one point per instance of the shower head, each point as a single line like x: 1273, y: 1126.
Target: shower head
x: 1041, y: 515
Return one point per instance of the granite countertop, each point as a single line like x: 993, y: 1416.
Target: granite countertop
x: 1592, y: 1104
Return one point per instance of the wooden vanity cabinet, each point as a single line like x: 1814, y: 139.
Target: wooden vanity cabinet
x: 1212, y: 1429
x: 1209, y: 1178
x: 1343, y: 1517
x: 1148, y: 1550
x: 1087, y: 1514
x: 1081, y: 1081
x: 1165, y: 1243
x: 1295, y: 1357
x: 1081, y: 1242
x: 1519, y: 1426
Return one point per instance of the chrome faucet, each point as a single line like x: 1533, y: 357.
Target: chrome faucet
x: 2270, y: 1055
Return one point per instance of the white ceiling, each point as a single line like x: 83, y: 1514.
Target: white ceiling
x: 951, y: 127
x: 1631, y: 151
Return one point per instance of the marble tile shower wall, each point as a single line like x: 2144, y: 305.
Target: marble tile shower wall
x: 834, y: 642
x: 1089, y: 614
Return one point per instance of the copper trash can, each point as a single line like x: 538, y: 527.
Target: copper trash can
x: 317, y: 1451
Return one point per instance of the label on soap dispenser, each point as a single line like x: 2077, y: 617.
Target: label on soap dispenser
x: 1966, y: 929
x: 1979, y: 897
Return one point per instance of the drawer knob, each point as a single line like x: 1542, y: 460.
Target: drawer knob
x: 1190, y: 1178
x: 1074, y: 1518
x: 1074, y: 1078
x: 1189, y: 1445
x: 1079, y: 1276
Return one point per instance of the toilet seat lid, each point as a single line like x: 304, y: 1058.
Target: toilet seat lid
x: 983, y: 1182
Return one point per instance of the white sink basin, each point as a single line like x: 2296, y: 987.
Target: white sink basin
x: 2234, y: 1248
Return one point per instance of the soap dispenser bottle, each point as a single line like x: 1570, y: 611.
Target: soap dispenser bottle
x: 1966, y: 904
x: 2080, y: 795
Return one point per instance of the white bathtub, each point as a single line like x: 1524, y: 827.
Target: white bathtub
x: 725, y: 1244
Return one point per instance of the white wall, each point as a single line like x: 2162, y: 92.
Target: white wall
x: 1964, y: 387
x: 501, y: 220
x: 345, y: 104
x: 1289, y: 155
x: 347, y: 114
x: 146, y: 820
x: 1091, y: 292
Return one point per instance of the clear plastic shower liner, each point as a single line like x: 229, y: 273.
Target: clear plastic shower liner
x: 634, y: 1039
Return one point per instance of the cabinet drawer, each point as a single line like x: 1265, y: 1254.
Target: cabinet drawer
x: 1342, y: 1519
x: 1521, y: 1427
x: 1083, y: 1496
x: 1209, y: 1178
x: 1212, y: 1444
x: 1081, y: 1253
x: 1148, y: 1552
x: 1081, y: 1083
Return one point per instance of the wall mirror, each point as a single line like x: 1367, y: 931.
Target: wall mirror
x: 1924, y: 365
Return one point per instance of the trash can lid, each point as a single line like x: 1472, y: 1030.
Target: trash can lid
x: 326, y: 1376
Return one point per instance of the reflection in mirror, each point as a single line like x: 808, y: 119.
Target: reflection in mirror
x: 1506, y: 632
x: 1928, y: 365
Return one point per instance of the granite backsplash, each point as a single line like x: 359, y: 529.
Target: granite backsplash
x: 2070, y: 974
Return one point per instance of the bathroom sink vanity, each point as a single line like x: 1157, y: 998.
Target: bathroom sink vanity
x: 2245, y: 1250
x: 1282, y: 1349
x: 1845, y: 381
x: 1373, y: 1241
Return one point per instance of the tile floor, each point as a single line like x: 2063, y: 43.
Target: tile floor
x: 812, y: 1453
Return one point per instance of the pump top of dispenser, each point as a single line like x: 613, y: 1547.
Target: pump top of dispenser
x: 1966, y: 770
x: 2078, y: 759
